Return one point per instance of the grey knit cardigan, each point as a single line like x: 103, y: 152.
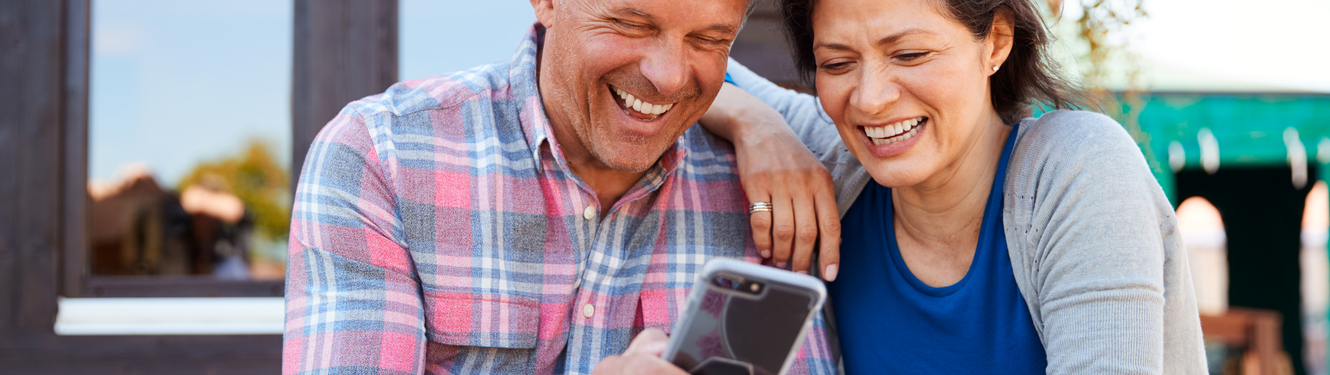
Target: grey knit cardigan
x: 1092, y: 238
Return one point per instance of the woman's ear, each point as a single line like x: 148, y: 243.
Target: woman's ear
x: 544, y: 12
x: 999, y: 38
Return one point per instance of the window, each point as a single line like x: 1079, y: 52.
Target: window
x: 189, y: 140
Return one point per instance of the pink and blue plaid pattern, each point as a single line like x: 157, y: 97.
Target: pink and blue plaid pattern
x: 437, y: 229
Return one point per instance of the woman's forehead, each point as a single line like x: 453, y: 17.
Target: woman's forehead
x: 876, y: 20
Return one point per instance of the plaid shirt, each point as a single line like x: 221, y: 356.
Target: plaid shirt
x: 438, y: 229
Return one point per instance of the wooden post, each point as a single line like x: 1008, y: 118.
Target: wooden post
x: 30, y: 135
x: 344, y: 50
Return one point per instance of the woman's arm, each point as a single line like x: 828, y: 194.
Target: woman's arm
x: 1109, y: 275
x: 802, y: 112
x: 776, y: 167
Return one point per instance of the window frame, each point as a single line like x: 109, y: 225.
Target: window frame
x: 331, y: 39
x: 44, y: 223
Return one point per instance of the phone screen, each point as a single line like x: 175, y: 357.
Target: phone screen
x: 743, y: 325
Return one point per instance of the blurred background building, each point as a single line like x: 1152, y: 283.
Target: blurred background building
x: 154, y: 147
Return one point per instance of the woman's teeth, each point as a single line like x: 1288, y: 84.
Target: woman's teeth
x: 885, y: 135
x: 655, y: 110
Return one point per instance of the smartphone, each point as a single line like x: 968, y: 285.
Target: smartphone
x: 744, y: 318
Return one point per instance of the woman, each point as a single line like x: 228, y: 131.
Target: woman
x: 974, y: 238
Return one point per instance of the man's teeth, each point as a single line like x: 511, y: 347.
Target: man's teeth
x: 884, y: 135
x: 641, y: 106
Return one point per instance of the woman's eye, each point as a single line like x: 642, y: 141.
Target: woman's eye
x: 835, y: 67
x: 911, y: 56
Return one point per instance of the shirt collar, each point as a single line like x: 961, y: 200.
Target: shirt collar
x: 536, y: 125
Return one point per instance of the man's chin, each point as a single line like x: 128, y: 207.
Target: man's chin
x: 630, y: 159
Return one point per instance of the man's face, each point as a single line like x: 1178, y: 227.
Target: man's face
x: 630, y: 76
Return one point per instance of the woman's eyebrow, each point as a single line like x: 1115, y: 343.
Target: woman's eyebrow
x: 893, y: 38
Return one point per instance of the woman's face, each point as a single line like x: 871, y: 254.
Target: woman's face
x: 906, y: 85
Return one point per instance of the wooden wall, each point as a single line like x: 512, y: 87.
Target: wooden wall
x: 334, y: 38
x: 30, y: 157
x: 345, y: 49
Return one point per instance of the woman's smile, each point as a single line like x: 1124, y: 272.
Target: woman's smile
x: 886, y: 140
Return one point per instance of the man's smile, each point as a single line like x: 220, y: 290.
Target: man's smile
x: 638, y: 109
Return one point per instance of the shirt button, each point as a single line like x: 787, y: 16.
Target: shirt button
x: 589, y: 213
x: 588, y: 310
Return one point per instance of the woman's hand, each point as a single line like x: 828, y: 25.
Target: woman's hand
x: 776, y: 167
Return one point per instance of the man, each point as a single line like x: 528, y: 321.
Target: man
x: 528, y: 217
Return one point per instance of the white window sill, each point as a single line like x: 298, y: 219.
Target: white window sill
x: 170, y: 316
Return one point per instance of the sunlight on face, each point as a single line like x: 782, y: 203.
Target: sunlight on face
x: 906, y: 85
x: 629, y: 77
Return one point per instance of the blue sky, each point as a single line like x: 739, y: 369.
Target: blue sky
x: 179, y: 82
x: 175, y: 83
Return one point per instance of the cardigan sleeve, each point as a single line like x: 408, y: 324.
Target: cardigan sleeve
x: 1095, y: 241
x: 805, y: 116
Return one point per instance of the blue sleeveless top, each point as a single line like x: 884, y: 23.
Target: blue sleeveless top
x: 890, y: 322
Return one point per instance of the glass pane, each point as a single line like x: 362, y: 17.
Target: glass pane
x: 190, y: 137
x: 430, y: 34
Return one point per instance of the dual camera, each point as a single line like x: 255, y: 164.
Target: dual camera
x: 737, y: 284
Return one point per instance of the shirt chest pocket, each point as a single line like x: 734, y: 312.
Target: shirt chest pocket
x: 482, y: 320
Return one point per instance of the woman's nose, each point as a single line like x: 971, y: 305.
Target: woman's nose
x: 876, y: 91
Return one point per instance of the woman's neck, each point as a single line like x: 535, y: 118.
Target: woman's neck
x: 937, y: 221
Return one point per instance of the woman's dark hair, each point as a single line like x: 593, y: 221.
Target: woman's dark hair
x: 1028, y: 76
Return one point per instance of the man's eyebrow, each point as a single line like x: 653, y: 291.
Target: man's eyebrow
x: 723, y: 28
x: 893, y: 38
x: 631, y: 11
x: 634, y: 12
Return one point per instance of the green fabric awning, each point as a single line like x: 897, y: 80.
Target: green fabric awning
x: 1246, y: 130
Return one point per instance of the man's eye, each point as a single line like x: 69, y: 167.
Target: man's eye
x: 712, y: 41
x: 629, y: 25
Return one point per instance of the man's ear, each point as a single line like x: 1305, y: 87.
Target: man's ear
x: 999, y: 37
x: 544, y: 12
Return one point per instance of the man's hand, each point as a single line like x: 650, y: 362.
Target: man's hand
x: 642, y: 357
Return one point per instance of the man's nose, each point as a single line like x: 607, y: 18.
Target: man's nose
x: 667, y: 68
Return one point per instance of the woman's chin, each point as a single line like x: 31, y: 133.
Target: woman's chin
x: 895, y: 175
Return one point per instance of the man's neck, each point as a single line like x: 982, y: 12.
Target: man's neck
x: 609, y: 184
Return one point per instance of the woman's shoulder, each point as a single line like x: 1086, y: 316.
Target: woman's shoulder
x: 1075, y: 153
x: 1066, y: 130
x: 1063, y: 144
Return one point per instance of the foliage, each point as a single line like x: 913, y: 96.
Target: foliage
x: 1104, y: 29
x: 256, y: 177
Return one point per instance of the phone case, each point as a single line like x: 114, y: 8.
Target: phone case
x: 736, y: 328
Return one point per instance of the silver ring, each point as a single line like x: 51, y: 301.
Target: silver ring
x: 759, y: 207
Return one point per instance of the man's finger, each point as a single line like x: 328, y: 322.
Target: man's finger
x: 649, y: 365
x: 651, y: 342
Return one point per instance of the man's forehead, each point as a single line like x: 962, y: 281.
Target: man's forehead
x: 693, y: 10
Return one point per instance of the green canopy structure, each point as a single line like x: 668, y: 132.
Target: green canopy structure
x: 1233, y: 130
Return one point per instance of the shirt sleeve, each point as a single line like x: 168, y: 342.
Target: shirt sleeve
x: 352, y: 295
x: 802, y: 112
x: 814, y: 357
